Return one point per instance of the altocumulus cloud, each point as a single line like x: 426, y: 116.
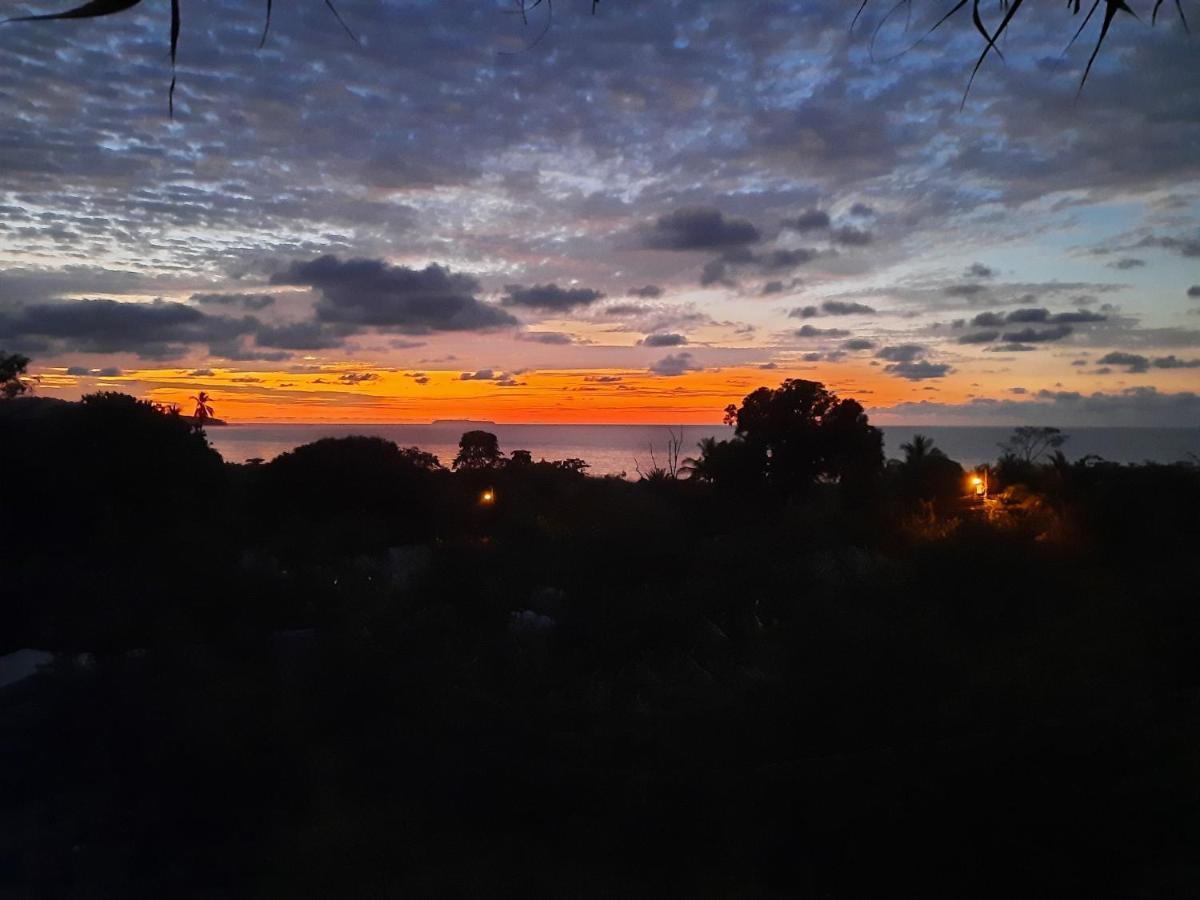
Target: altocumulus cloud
x: 370, y: 292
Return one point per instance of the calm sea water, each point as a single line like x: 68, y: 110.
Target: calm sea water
x: 613, y: 449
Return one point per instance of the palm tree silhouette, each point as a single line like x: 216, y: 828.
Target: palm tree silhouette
x: 203, y: 410
x: 917, y: 450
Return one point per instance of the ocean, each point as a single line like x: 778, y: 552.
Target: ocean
x: 621, y: 449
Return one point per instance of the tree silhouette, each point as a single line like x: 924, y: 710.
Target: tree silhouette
x: 927, y: 474
x: 918, y: 449
x: 203, y: 410
x: 799, y: 433
x: 478, y: 450
x: 12, y: 367
x: 1030, y: 443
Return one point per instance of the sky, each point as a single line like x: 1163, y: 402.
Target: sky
x: 639, y: 215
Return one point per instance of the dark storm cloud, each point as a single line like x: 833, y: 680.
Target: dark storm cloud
x: 809, y: 220
x: 699, y: 228
x: 549, y: 297
x: 664, y: 340
x: 158, y: 330
x: 370, y: 292
x: 251, y: 302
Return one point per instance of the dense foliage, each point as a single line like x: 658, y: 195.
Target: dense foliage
x: 345, y: 672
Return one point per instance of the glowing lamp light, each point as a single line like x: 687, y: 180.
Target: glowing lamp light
x: 978, y: 484
x: 487, y: 496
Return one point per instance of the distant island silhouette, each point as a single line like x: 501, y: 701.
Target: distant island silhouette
x: 465, y: 423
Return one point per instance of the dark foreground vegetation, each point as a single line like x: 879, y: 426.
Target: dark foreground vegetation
x: 796, y: 672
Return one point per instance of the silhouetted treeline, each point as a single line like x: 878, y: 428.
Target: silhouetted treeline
x: 802, y: 670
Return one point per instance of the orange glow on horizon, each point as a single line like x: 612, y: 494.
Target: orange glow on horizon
x: 368, y: 395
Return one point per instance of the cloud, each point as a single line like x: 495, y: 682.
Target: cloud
x: 978, y: 337
x: 664, y: 340
x: 370, y: 292
x: 1139, y: 406
x: 809, y: 220
x: 979, y: 270
x: 1127, y: 262
x: 84, y: 371
x: 252, y: 302
x: 480, y: 375
x: 832, y: 308
x: 1184, y: 246
x: 840, y: 308
x: 850, y: 236
x: 699, y: 228
x: 1038, y: 315
x: 901, y: 353
x: 1137, y: 364
x: 988, y: 320
x: 301, y: 336
x: 1194, y: 291
x: 648, y: 292
x: 162, y: 329
x: 810, y: 331
x: 970, y: 289
x: 918, y: 371
x: 785, y: 259
x: 674, y: 364
x: 1012, y: 347
x: 545, y: 337
x: 862, y: 211
x: 858, y: 344
x: 549, y: 297
x: 1033, y: 336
